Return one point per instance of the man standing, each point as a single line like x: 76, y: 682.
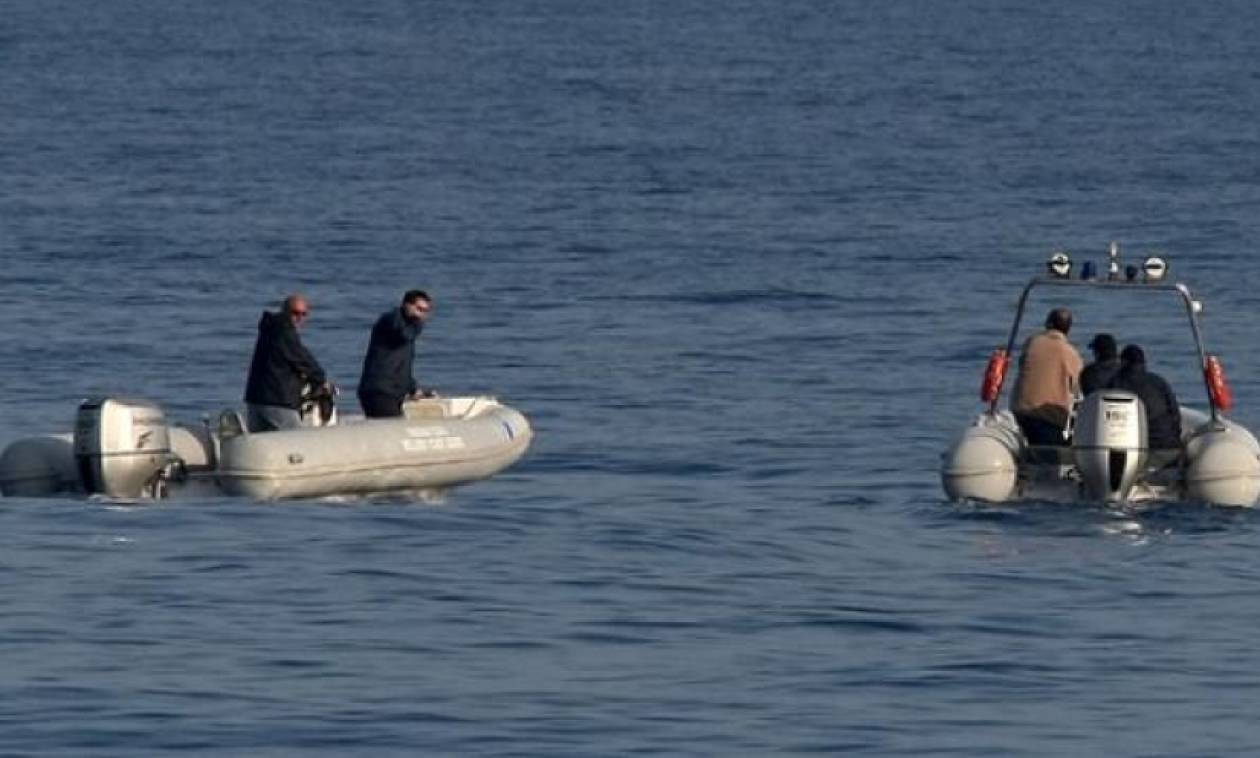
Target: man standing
x: 1044, y: 390
x: 280, y: 369
x: 387, y: 379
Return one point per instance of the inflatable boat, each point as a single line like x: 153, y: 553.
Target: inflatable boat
x: 126, y: 449
x: 1105, y: 458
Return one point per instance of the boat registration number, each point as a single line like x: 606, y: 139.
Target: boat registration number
x: 424, y: 438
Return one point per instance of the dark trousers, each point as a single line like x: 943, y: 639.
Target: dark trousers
x: 380, y: 406
x: 1039, y: 431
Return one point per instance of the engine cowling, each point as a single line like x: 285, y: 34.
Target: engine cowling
x: 122, y: 447
x: 1109, y: 444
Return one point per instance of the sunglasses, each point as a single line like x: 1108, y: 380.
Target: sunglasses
x: 301, y: 314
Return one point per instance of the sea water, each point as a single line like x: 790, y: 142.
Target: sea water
x: 740, y: 263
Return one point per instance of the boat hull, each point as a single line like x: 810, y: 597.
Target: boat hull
x: 372, y: 456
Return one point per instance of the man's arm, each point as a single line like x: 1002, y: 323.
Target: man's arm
x: 301, y: 360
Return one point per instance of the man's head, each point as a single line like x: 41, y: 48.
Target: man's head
x: 1132, y: 355
x: 297, y: 309
x: 1104, y: 346
x: 417, y: 305
x: 1059, y: 319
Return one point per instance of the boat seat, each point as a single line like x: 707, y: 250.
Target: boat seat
x: 231, y: 424
x: 426, y: 408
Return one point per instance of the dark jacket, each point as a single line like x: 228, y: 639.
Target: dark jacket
x: 387, y: 365
x: 1163, y: 415
x: 281, y: 365
x: 1098, y: 375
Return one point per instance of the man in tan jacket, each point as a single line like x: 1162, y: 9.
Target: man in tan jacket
x: 1049, y: 368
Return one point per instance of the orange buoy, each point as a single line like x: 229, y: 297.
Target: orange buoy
x: 1218, y: 387
x: 994, y: 375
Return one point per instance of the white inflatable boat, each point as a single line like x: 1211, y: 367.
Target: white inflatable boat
x: 126, y: 449
x: 1107, y: 459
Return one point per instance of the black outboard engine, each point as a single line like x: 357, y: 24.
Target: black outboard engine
x: 1109, y: 444
x: 122, y: 448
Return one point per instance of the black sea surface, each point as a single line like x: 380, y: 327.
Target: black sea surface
x: 741, y: 263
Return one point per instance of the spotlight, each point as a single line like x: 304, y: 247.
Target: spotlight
x: 1156, y: 268
x: 1059, y: 264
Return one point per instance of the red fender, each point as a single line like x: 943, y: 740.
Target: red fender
x: 1218, y: 386
x: 994, y: 375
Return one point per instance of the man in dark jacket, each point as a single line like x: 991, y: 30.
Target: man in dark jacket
x: 280, y: 369
x: 387, y: 379
x: 1099, y: 374
x: 1163, y: 415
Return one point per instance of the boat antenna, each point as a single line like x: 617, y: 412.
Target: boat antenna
x: 1113, y: 261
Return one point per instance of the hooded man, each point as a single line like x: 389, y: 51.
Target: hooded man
x: 1163, y: 414
x: 1098, y: 375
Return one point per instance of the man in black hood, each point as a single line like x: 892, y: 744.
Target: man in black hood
x: 280, y: 369
x: 1163, y: 415
x: 1099, y: 374
x: 387, y: 379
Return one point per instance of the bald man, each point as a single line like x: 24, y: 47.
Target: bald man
x: 1049, y: 368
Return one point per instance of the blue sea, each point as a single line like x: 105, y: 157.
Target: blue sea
x: 741, y: 264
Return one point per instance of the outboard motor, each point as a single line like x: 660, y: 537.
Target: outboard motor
x: 122, y: 448
x: 1109, y: 444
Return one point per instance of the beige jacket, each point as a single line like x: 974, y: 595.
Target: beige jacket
x: 1048, y: 370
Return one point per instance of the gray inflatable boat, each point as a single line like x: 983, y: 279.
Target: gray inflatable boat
x: 126, y: 449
